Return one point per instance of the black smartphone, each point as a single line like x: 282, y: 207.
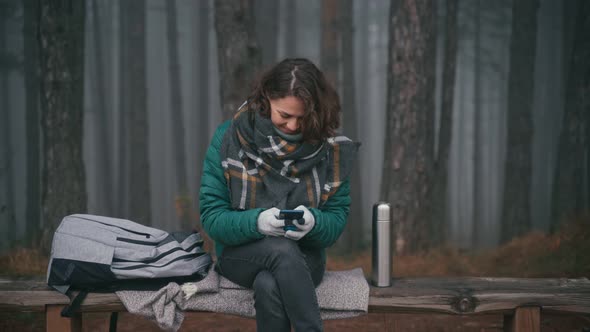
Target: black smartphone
x: 290, y: 216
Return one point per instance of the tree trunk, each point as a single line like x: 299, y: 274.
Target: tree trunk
x: 362, y: 56
x: 238, y: 52
x: 440, y: 191
x: 103, y: 139
x: 134, y: 126
x: 183, y: 200
x: 569, y: 197
x: 7, y: 207
x: 267, y: 27
x: 202, y: 72
x: 121, y: 164
x: 516, y: 218
x: 408, y: 163
x: 349, y: 111
x: 61, y: 50
x: 337, y: 51
x: 31, y: 71
x: 477, y: 153
x: 290, y: 22
x: 331, y: 41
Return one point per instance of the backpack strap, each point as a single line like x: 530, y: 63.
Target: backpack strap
x: 74, y: 304
x: 113, y: 321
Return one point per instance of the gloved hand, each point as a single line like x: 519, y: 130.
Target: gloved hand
x: 268, y: 224
x: 305, y: 225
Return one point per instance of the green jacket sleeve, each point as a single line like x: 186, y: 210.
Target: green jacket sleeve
x: 221, y: 222
x: 330, y: 219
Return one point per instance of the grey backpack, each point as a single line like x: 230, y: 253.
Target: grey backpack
x: 101, y: 254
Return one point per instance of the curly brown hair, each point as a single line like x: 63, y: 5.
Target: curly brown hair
x: 302, y: 79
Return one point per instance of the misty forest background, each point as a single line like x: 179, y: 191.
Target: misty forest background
x: 473, y: 115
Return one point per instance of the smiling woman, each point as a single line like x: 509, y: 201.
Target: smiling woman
x: 286, y: 114
x: 277, y: 154
x: 296, y: 88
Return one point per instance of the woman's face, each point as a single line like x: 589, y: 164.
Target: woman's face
x: 286, y: 114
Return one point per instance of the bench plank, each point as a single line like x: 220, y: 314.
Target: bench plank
x: 35, y: 301
x: 444, y: 295
x: 481, y: 295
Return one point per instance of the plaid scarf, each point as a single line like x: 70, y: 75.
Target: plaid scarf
x: 263, y: 170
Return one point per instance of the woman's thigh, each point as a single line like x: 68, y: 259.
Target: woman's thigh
x: 315, y: 263
x: 241, y: 264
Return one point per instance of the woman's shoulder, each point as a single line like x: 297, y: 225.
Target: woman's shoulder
x: 220, y: 133
x: 222, y: 128
x: 343, y: 144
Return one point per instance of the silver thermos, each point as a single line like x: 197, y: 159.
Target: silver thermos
x: 382, y: 244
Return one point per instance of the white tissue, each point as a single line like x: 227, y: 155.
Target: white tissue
x: 189, y: 289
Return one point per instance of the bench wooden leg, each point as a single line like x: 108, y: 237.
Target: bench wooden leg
x: 525, y: 319
x: 54, y: 322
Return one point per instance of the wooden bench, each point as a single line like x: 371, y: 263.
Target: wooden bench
x: 521, y: 302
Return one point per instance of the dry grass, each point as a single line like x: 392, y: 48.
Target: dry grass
x: 563, y: 254
x: 23, y: 262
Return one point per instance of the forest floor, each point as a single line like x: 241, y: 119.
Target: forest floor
x: 562, y: 254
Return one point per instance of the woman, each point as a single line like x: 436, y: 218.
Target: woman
x: 278, y: 152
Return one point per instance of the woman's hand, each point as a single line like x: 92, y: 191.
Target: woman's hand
x: 268, y: 224
x: 304, y: 225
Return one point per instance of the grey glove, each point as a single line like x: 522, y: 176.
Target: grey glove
x: 268, y: 224
x: 304, y: 225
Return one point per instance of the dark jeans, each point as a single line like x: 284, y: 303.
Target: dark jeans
x: 283, y: 276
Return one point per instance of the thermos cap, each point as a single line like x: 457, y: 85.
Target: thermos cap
x: 381, y: 211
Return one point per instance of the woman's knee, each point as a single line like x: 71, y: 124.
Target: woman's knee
x: 265, y: 285
x: 283, y: 248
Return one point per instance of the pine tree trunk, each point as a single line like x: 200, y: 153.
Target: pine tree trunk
x: 238, y: 52
x: 349, y: 112
x: 331, y: 41
x: 183, y: 200
x: 267, y: 27
x: 337, y: 51
x: 7, y: 207
x: 569, y: 199
x: 103, y: 139
x: 516, y: 216
x: 202, y: 71
x: 477, y: 155
x: 362, y: 57
x: 31, y: 67
x: 440, y: 191
x: 133, y: 109
x: 61, y: 50
x: 330, y: 60
x: 408, y: 162
x: 290, y: 21
x: 122, y: 187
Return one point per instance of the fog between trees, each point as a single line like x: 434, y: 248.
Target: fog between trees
x: 135, y: 96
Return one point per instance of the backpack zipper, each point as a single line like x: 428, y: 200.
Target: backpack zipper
x: 147, y: 236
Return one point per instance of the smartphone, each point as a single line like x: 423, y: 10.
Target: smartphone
x: 290, y: 216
